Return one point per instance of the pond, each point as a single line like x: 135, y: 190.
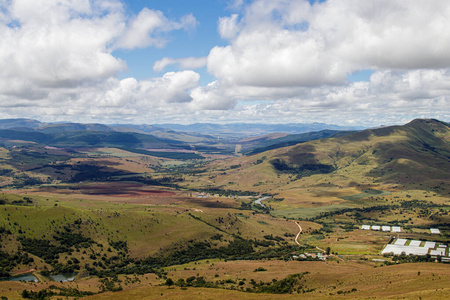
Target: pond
x: 63, y: 277
x: 23, y: 277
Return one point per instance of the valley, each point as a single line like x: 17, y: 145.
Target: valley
x: 174, y: 219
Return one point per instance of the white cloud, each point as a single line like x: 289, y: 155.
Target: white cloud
x: 146, y: 29
x: 300, y: 56
x: 235, y: 4
x: 183, y: 63
x: 284, y: 61
x: 290, y: 43
x: 229, y: 27
x: 54, y: 44
x: 212, y: 97
x: 56, y: 60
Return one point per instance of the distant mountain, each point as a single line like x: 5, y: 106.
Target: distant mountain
x: 19, y: 123
x: 205, y: 137
x: 191, y: 137
x: 410, y: 156
x: 85, y: 138
x: 291, y: 139
x: 62, y: 127
x: 251, y: 129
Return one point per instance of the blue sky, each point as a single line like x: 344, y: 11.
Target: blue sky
x: 196, y: 43
x: 181, y: 44
x: 121, y: 61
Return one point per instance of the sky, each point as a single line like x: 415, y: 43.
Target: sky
x: 344, y: 62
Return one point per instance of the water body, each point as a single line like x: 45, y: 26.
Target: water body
x: 64, y: 277
x: 24, y: 277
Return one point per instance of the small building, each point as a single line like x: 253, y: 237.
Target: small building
x: 396, y: 229
x: 440, y: 252
x: 376, y: 227
x: 386, y: 228
x: 435, y: 231
x: 400, y: 242
x: 365, y: 227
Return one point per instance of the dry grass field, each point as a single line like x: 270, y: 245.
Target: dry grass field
x: 325, y: 280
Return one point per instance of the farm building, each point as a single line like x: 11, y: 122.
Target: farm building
x: 386, y: 228
x: 435, y: 231
x: 439, y: 251
x: 396, y: 229
x: 414, y: 247
x: 400, y: 242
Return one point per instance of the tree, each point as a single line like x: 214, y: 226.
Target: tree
x: 169, y: 282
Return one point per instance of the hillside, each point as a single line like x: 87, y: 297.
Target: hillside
x: 263, y: 145
x: 321, y: 173
x: 128, y: 222
x: 418, y: 151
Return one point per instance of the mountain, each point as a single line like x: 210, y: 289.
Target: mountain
x: 253, y: 129
x: 62, y: 127
x: 263, y: 145
x: 19, y: 123
x: 416, y: 155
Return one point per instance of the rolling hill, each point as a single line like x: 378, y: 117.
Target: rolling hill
x: 415, y: 155
x: 129, y: 224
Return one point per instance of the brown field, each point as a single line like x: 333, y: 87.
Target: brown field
x: 324, y: 281
x: 130, y: 193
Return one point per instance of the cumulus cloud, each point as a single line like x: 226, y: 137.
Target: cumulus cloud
x: 291, y: 43
x: 229, y: 26
x: 283, y: 61
x: 114, y: 99
x: 298, y: 56
x: 145, y: 30
x: 56, y: 59
x: 183, y: 63
x: 52, y: 44
x: 212, y: 97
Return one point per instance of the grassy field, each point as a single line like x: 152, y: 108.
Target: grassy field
x: 323, y: 280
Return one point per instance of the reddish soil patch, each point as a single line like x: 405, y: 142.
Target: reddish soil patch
x: 121, y: 190
x: 116, y: 189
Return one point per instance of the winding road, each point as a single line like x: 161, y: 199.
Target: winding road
x: 299, y: 232
x: 262, y: 199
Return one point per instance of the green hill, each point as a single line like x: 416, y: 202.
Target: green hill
x: 411, y: 156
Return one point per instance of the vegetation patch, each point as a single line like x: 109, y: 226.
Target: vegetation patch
x: 304, y: 170
x: 365, y: 194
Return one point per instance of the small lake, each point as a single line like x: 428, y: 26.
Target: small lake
x: 24, y: 277
x: 64, y: 277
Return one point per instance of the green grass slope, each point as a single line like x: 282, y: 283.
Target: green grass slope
x: 416, y: 155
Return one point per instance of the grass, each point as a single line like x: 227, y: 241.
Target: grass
x: 309, y: 212
x: 365, y: 194
x: 372, y: 170
x: 324, y: 281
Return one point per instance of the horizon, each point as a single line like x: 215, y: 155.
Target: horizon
x: 354, y: 126
x: 342, y: 63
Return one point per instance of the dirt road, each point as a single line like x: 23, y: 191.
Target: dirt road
x: 298, y: 234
